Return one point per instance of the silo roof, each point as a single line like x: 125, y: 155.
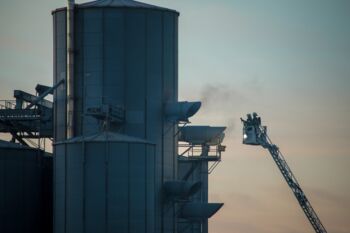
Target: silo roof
x: 121, y: 3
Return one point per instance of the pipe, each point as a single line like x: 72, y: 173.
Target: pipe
x: 70, y: 69
x: 44, y: 94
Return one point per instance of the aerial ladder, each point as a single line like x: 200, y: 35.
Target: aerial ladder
x: 256, y: 134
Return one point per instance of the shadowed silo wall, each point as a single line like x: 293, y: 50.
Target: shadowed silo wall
x: 200, y: 173
x: 105, y: 183
x: 25, y: 189
x: 124, y: 56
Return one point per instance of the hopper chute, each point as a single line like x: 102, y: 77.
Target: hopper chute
x: 199, y: 211
x: 181, y: 189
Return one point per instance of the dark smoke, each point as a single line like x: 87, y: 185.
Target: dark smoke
x: 227, y: 102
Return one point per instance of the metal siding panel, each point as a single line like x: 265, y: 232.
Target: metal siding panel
x: 135, y: 70
x: 78, y: 107
x: 93, y: 95
x: 137, y: 153
x: 93, y: 39
x: 176, y: 62
x: 154, y: 100
x: 54, y: 73
x: 168, y: 53
x: 168, y: 130
x: 150, y: 189
x: 154, y: 77
x: 92, y: 20
x: 60, y: 192
x: 2, y: 187
x: 92, y: 79
x: 20, y: 184
x: 12, y: 193
x: 176, y: 88
x: 168, y: 93
x: 92, y: 53
x: 204, y: 190
x: 91, y: 125
x: 93, y: 65
x: 95, y: 188
x: 114, y: 57
x: 118, y: 186
x: 79, y: 71
x: 61, y: 54
x: 74, y: 188
x: 114, y: 95
x: 31, y: 192
x: 60, y: 73
x: 61, y: 39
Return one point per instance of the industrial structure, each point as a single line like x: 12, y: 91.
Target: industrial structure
x: 256, y: 134
x: 125, y: 156
x: 26, y: 189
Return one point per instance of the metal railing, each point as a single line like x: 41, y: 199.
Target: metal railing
x: 7, y: 104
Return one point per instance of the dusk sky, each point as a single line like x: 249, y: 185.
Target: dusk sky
x: 287, y: 60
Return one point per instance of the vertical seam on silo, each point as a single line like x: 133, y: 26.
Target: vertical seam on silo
x: 5, y: 183
x: 22, y: 183
x: 65, y: 98
x: 128, y: 156
x: 65, y: 189
x: 162, y: 97
x: 83, y: 120
x: 54, y: 128
x: 174, y: 94
x: 146, y: 76
x: 174, y: 125
x: 82, y: 75
x: 106, y: 184
x: 84, y: 180
x: 146, y: 185
x: 124, y: 68
x: 55, y: 77
x: 146, y: 111
x: 154, y: 186
x: 103, y: 57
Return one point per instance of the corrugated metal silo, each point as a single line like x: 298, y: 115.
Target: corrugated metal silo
x: 105, y: 183
x: 25, y: 189
x: 125, y: 56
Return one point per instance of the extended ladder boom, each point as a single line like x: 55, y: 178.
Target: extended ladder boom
x: 255, y: 134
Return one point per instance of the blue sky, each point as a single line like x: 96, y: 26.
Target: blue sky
x: 287, y: 60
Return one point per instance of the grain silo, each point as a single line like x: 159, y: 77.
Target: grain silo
x: 25, y: 184
x: 105, y: 182
x: 116, y: 119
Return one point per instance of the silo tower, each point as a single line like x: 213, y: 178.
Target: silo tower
x: 116, y: 118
